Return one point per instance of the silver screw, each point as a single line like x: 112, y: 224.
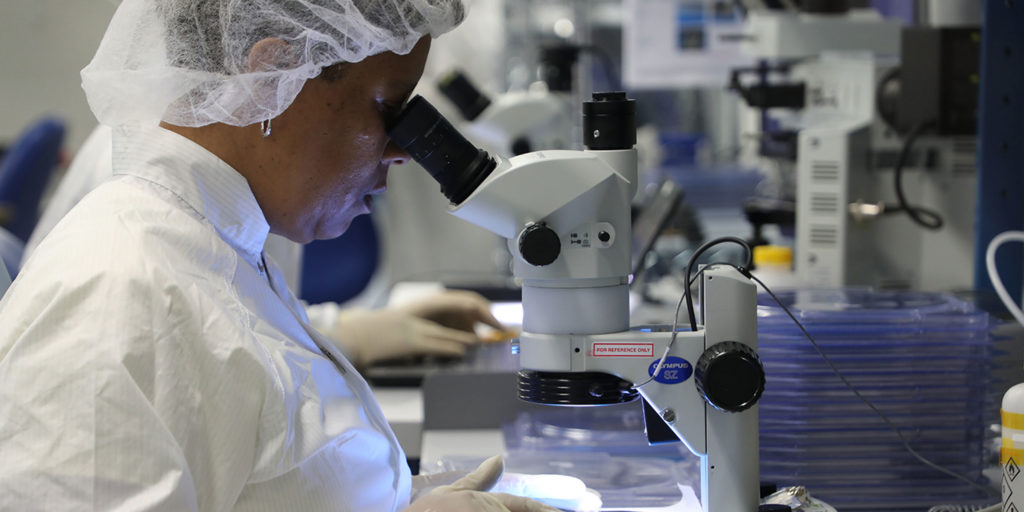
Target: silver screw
x: 668, y: 415
x: 597, y: 133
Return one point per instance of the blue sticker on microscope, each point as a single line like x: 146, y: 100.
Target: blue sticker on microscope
x: 674, y: 371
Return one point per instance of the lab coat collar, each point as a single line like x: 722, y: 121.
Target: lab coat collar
x: 207, y: 184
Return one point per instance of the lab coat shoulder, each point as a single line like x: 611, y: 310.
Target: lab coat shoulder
x: 122, y: 344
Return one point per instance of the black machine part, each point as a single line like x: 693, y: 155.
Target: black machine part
x: 763, y: 94
x: 539, y: 245
x: 730, y: 376
x: 466, y: 97
x: 825, y: 6
x: 609, y: 121
x: 556, y: 64
x: 574, y: 388
x: 938, y: 79
x: 655, y: 428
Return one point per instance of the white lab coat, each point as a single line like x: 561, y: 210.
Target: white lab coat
x: 149, y: 360
x: 91, y: 166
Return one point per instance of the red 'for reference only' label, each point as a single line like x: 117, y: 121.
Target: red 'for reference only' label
x: 606, y: 349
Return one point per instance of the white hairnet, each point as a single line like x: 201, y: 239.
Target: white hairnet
x: 187, y: 62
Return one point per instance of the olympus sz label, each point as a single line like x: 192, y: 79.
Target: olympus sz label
x: 673, y: 371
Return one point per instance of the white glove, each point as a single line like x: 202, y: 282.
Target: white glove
x: 467, y: 494
x: 457, y: 309
x: 440, y: 325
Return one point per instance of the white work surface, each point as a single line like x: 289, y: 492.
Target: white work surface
x: 403, y: 408
x: 472, y: 443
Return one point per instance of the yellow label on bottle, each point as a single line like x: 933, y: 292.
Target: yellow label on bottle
x: 1006, y: 453
x: 1014, y: 420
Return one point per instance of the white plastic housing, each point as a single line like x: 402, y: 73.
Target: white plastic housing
x: 543, y: 119
x: 583, y: 196
x: 778, y: 35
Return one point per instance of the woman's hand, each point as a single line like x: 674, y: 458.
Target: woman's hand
x: 467, y: 494
x: 456, y: 309
x: 476, y: 501
x: 438, y: 325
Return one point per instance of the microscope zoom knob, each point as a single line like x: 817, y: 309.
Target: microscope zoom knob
x: 539, y: 245
x: 729, y: 375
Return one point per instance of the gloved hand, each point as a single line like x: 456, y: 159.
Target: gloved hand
x: 457, y: 309
x: 440, y: 325
x: 467, y: 494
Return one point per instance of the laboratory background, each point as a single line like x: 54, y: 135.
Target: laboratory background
x: 861, y: 159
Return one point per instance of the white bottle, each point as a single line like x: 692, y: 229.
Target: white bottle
x: 1011, y: 453
x: 773, y: 265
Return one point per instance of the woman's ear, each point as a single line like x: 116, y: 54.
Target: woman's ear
x: 270, y: 54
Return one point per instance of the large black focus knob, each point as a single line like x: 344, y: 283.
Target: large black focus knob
x: 539, y: 245
x: 730, y: 376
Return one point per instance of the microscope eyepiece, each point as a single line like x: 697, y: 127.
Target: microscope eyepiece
x: 434, y: 143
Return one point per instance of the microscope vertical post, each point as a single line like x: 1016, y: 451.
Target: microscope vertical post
x: 732, y: 461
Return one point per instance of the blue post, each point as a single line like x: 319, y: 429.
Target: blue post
x: 1000, y: 146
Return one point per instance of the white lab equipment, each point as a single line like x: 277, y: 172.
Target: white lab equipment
x: 680, y: 43
x: 844, y: 156
x: 514, y: 123
x: 566, y: 216
x: 155, y: 62
x: 778, y: 34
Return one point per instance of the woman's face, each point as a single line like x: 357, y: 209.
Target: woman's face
x: 328, y: 154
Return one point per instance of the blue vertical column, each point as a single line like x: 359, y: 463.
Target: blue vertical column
x: 1000, y: 145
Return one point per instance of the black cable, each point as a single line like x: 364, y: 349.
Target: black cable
x: 928, y: 219
x: 693, y: 259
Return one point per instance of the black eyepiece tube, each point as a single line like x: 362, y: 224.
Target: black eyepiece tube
x: 609, y: 121
x: 459, y: 166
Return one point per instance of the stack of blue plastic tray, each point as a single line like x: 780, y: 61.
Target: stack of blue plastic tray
x: 922, y: 359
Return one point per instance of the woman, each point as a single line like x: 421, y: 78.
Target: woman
x: 150, y: 358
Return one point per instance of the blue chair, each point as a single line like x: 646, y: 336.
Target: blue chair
x: 5, y: 280
x: 339, y: 269
x: 11, y: 250
x: 24, y: 172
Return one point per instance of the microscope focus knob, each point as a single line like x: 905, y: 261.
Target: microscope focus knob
x: 729, y: 375
x: 539, y: 245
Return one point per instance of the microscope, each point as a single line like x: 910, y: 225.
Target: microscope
x: 518, y: 122
x: 566, y: 216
